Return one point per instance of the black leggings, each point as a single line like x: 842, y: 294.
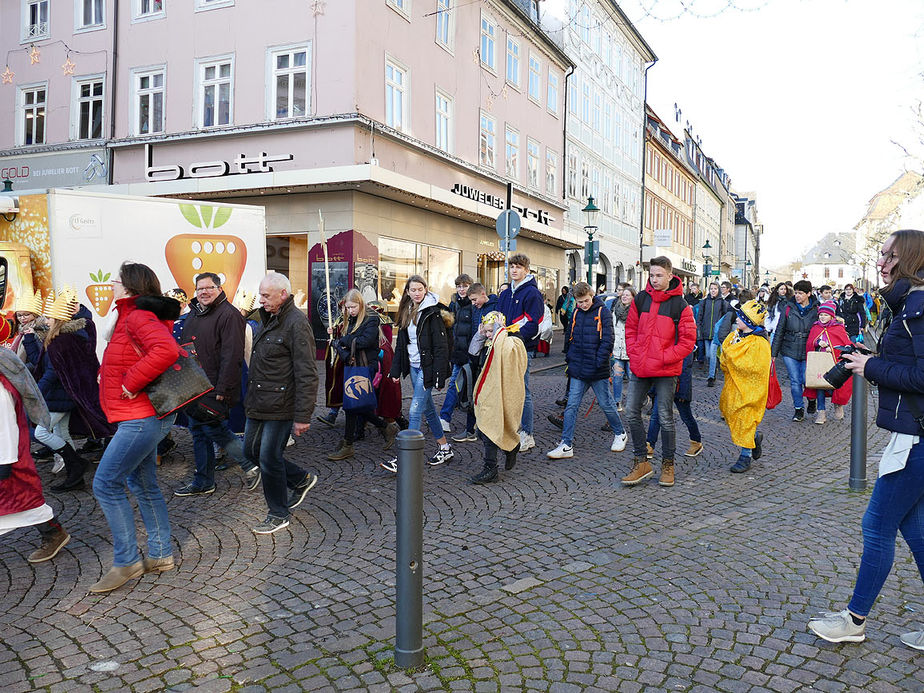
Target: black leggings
x: 356, y: 419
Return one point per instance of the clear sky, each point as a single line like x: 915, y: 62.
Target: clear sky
x: 797, y: 99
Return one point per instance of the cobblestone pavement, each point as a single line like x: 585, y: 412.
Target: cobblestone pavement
x: 555, y: 579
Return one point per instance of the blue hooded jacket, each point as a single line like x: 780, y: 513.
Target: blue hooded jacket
x: 526, y: 306
x: 590, y: 342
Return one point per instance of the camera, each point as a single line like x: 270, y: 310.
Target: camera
x: 838, y: 374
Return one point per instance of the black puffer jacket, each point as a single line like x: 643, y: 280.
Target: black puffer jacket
x: 462, y: 332
x: 433, y: 344
x: 793, y: 328
x: 365, y: 338
x: 711, y: 311
x: 853, y: 310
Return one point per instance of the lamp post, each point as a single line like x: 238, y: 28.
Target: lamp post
x: 591, y: 247
x: 747, y: 274
x: 707, y: 261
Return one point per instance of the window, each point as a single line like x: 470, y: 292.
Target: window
x: 827, y: 272
x: 399, y: 260
x: 289, y: 79
x: 212, y: 4
x: 840, y: 272
x: 585, y: 24
x: 513, y: 62
x: 487, y: 141
x: 444, y: 23
x: 573, y: 95
x: 35, y: 19
x: 443, y: 122
x: 533, y: 88
x: 551, y: 172
x: 572, y: 173
x: 148, y: 8
x: 585, y: 102
x: 598, y: 126
x: 488, y: 43
x: 552, y: 93
x: 403, y: 6
x: 215, y: 93
x: 89, y: 110
x: 396, y: 111
x: 513, y: 153
x: 608, y: 120
x: 89, y: 14
x: 32, y: 115
x: 585, y: 180
x: 532, y: 163
x: 149, y: 87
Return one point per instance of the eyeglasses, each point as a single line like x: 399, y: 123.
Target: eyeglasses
x: 116, y: 281
x: 200, y: 289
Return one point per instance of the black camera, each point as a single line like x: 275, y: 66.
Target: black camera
x: 838, y: 374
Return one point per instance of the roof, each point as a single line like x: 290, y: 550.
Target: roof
x: 517, y: 6
x: 885, y: 202
x: 839, y: 254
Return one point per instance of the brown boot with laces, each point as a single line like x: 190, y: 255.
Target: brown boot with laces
x: 641, y: 470
x: 667, y: 473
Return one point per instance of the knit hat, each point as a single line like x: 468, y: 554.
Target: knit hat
x: 752, y: 314
x: 828, y: 307
x: 30, y: 303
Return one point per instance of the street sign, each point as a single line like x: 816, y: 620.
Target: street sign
x: 714, y: 273
x: 508, y: 216
x: 662, y: 238
x: 591, y: 253
x: 508, y: 246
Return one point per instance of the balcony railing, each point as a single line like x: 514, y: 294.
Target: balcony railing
x: 37, y: 30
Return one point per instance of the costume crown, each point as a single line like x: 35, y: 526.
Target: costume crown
x: 30, y: 303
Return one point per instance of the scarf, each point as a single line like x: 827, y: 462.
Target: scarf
x: 621, y: 310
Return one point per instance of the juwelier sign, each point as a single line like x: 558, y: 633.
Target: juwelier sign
x: 498, y: 202
x: 211, y: 169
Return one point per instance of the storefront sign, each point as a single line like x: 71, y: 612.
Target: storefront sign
x: 689, y: 266
x: 55, y: 169
x: 467, y: 191
x: 211, y: 169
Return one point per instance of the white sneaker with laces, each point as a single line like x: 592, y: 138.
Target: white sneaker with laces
x: 59, y: 464
x: 526, y: 441
x: 390, y: 465
x: 442, y: 456
x: 838, y: 627
x: 561, y: 452
x: 619, y: 442
x: 447, y: 427
x: 914, y: 639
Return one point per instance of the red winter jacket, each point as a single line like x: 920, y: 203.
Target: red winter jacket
x: 145, y: 322
x: 650, y: 337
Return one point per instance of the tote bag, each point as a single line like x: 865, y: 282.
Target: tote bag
x: 817, y: 363
x: 358, y: 393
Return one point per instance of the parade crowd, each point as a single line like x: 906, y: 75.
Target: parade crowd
x: 632, y: 349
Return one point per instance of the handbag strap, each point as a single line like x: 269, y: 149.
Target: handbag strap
x: 363, y: 361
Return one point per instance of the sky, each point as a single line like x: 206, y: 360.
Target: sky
x: 798, y: 100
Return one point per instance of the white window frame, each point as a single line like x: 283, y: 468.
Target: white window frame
x: 534, y: 79
x: 271, y: 74
x: 139, y: 15
x: 21, y: 113
x: 79, y: 6
x: 441, y: 116
x: 512, y: 63
x: 402, y: 7
x: 551, y: 94
x: 136, y: 93
x: 200, y: 85
x: 77, y: 100
x: 487, y: 156
x: 43, y: 29
x: 551, y: 172
x: 488, y: 36
x: 206, y: 5
x: 404, y: 89
x: 532, y: 163
x: 445, y: 22
x: 512, y: 152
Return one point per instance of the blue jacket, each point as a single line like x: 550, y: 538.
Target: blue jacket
x: 899, y: 368
x: 479, y: 313
x: 526, y: 306
x: 590, y: 342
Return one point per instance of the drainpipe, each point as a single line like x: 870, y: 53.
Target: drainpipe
x: 564, y: 161
x: 112, y: 83
x: 641, y: 220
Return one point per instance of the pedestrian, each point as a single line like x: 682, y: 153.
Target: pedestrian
x: 216, y: 329
x: 711, y: 310
x: 660, y: 333
x: 792, y: 331
x: 897, y: 501
x: 360, y: 339
x: 461, y: 308
x: 746, y: 365
x: 482, y: 304
x: 281, y: 389
x: 140, y: 349
x: 620, y: 352
x: 590, y: 347
x: 693, y: 296
x: 776, y: 301
x: 852, y: 308
x: 333, y: 372
x: 498, y: 393
x: 422, y: 352
x: 683, y: 398
x: 827, y: 334
x: 522, y: 306
x: 27, y: 318
x: 21, y: 501
x: 560, y: 306
x: 725, y: 291
x: 825, y: 293
x: 387, y: 390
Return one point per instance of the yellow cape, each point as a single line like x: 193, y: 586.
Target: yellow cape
x: 746, y: 364
x: 501, y: 390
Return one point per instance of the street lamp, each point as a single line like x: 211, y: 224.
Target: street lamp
x: 591, y: 247
x: 747, y: 274
x: 707, y: 260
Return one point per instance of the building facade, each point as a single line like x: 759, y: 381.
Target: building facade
x: 710, y: 200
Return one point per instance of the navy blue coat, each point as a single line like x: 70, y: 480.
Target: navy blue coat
x: 479, y: 313
x: 590, y: 342
x: 899, y: 368
x: 524, y: 305
x: 711, y: 311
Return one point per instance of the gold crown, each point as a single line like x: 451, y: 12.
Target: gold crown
x: 61, y: 306
x: 30, y: 303
x: 244, y: 300
x: 755, y: 312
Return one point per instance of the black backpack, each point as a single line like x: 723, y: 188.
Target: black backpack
x: 672, y: 307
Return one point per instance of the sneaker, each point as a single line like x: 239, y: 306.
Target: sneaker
x: 390, y: 465
x: 799, y: 415
x: 812, y: 406
x: 557, y: 420
x: 914, y: 639
x: 710, y: 382
x: 442, y: 456
x: 561, y: 452
x: 561, y: 402
x: 447, y: 427
x: 838, y: 411
x: 758, y: 445
x: 271, y: 524
x: 641, y: 470
x: 466, y: 437
x: 649, y: 451
x: 694, y: 449
x: 619, y: 442
x: 606, y: 428
x: 742, y: 465
x: 299, y: 492
x: 821, y: 417
x: 329, y: 419
x: 58, y: 465
x: 838, y: 627
x: 252, y: 478
x: 192, y: 490
x: 526, y: 441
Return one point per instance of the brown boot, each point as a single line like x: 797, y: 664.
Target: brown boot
x: 389, y: 433
x: 158, y: 565
x: 51, y: 544
x: 343, y: 452
x: 641, y: 470
x: 667, y: 473
x: 116, y: 577
x: 649, y: 451
x: 695, y: 449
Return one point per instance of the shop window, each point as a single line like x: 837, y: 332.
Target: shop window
x: 288, y: 255
x: 399, y: 260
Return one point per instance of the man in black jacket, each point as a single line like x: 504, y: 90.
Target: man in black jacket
x: 282, y: 385
x: 215, y: 328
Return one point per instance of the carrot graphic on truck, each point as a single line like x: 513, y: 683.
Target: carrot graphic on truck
x: 100, y: 293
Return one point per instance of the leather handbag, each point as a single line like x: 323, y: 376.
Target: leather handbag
x: 179, y: 385
x: 817, y: 363
x: 358, y: 393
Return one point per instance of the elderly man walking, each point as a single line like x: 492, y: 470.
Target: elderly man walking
x: 282, y: 386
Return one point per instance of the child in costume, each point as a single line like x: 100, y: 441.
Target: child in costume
x: 745, y: 363
x: 827, y: 334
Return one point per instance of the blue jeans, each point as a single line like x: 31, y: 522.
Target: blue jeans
x: 264, y: 444
x: 203, y: 435
x: 58, y: 435
x: 526, y: 420
x: 422, y: 406
x: 451, y: 395
x: 620, y: 368
x: 897, y: 504
x: 686, y: 415
x: 796, y: 371
x: 820, y: 398
x: 131, y: 458
x: 604, y: 399
x: 713, y: 353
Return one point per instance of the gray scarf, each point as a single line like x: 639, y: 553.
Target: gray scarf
x: 12, y: 367
x: 621, y: 310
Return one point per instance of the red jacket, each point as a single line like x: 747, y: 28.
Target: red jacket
x: 650, y: 337
x: 145, y: 322
x: 835, y: 334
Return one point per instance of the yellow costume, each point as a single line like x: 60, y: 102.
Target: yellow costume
x: 500, y: 390
x: 745, y: 362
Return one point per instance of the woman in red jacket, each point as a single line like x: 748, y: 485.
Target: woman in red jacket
x: 141, y: 348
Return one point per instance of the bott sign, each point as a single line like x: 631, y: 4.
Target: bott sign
x: 505, y: 218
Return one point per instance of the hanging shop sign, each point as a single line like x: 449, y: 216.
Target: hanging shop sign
x: 498, y: 202
x: 211, y: 169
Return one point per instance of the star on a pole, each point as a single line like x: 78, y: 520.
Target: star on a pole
x: 317, y: 7
x: 68, y: 66
x: 7, y: 75
x: 35, y: 55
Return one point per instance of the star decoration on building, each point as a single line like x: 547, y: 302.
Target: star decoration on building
x: 317, y: 7
x: 68, y: 66
x: 35, y: 55
x: 504, y: 92
x: 7, y: 75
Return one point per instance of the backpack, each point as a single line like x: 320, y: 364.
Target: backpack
x: 465, y: 384
x: 675, y: 305
x: 545, y: 327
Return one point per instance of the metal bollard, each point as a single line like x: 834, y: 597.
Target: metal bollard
x: 409, y: 552
x: 858, y: 423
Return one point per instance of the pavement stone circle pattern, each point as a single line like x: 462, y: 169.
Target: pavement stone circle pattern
x: 556, y: 579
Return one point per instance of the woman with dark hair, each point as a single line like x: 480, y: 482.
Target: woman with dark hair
x: 897, y: 502
x: 141, y: 348
x: 852, y: 307
x: 780, y: 294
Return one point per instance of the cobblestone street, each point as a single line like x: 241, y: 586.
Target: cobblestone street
x: 555, y: 579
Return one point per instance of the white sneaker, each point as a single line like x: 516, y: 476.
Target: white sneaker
x: 838, y: 627
x: 390, y: 465
x: 526, y: 441
x: 561, y: 452
x: 914, y: 639
x: 447, y: 427
x: 59, y: 464
x: 619, y: 442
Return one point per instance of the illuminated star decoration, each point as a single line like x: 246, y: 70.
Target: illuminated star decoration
x: 7, y: 75
x: 68, y: 66
x: 35, y: 55
x: 317, y: 6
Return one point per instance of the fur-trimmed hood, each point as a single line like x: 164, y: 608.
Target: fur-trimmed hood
x: 163, y: 307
